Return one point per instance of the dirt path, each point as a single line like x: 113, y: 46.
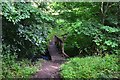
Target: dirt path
x: 50, y: 69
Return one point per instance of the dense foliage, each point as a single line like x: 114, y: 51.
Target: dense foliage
x: 90, y: 28
x: 18, y: 69
x: 25, y: 29
x: 91, y: 67
x: 86, y: 28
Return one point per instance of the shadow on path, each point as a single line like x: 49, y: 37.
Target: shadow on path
x: 50, y: 69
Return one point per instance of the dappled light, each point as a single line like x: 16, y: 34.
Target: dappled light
x: 61, y: 40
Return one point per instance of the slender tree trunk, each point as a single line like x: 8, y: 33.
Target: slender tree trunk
x: 60, y: 43
x: 63, y: 51
x: 104, y: 9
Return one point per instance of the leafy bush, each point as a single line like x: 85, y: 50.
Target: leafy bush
x: 24, y: 32
x: 17, y: 69
x: 11, y: 68
x: 91, y: 67
x: 92, y: 37
x: 90, y: 27
x: 25, y: 28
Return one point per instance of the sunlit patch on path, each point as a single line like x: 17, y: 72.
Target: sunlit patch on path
x: 50, y: 69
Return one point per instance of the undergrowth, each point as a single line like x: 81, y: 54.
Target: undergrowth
x: 91, y: 67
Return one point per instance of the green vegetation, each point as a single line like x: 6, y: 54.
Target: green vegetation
x: 18, y: 69
x: 25, y: 29
x: 90, y: 28
x: 13, y: 68
x: 91, y: 67
x: 87, y: 29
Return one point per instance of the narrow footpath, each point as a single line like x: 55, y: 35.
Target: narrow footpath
x: 50, y: 69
